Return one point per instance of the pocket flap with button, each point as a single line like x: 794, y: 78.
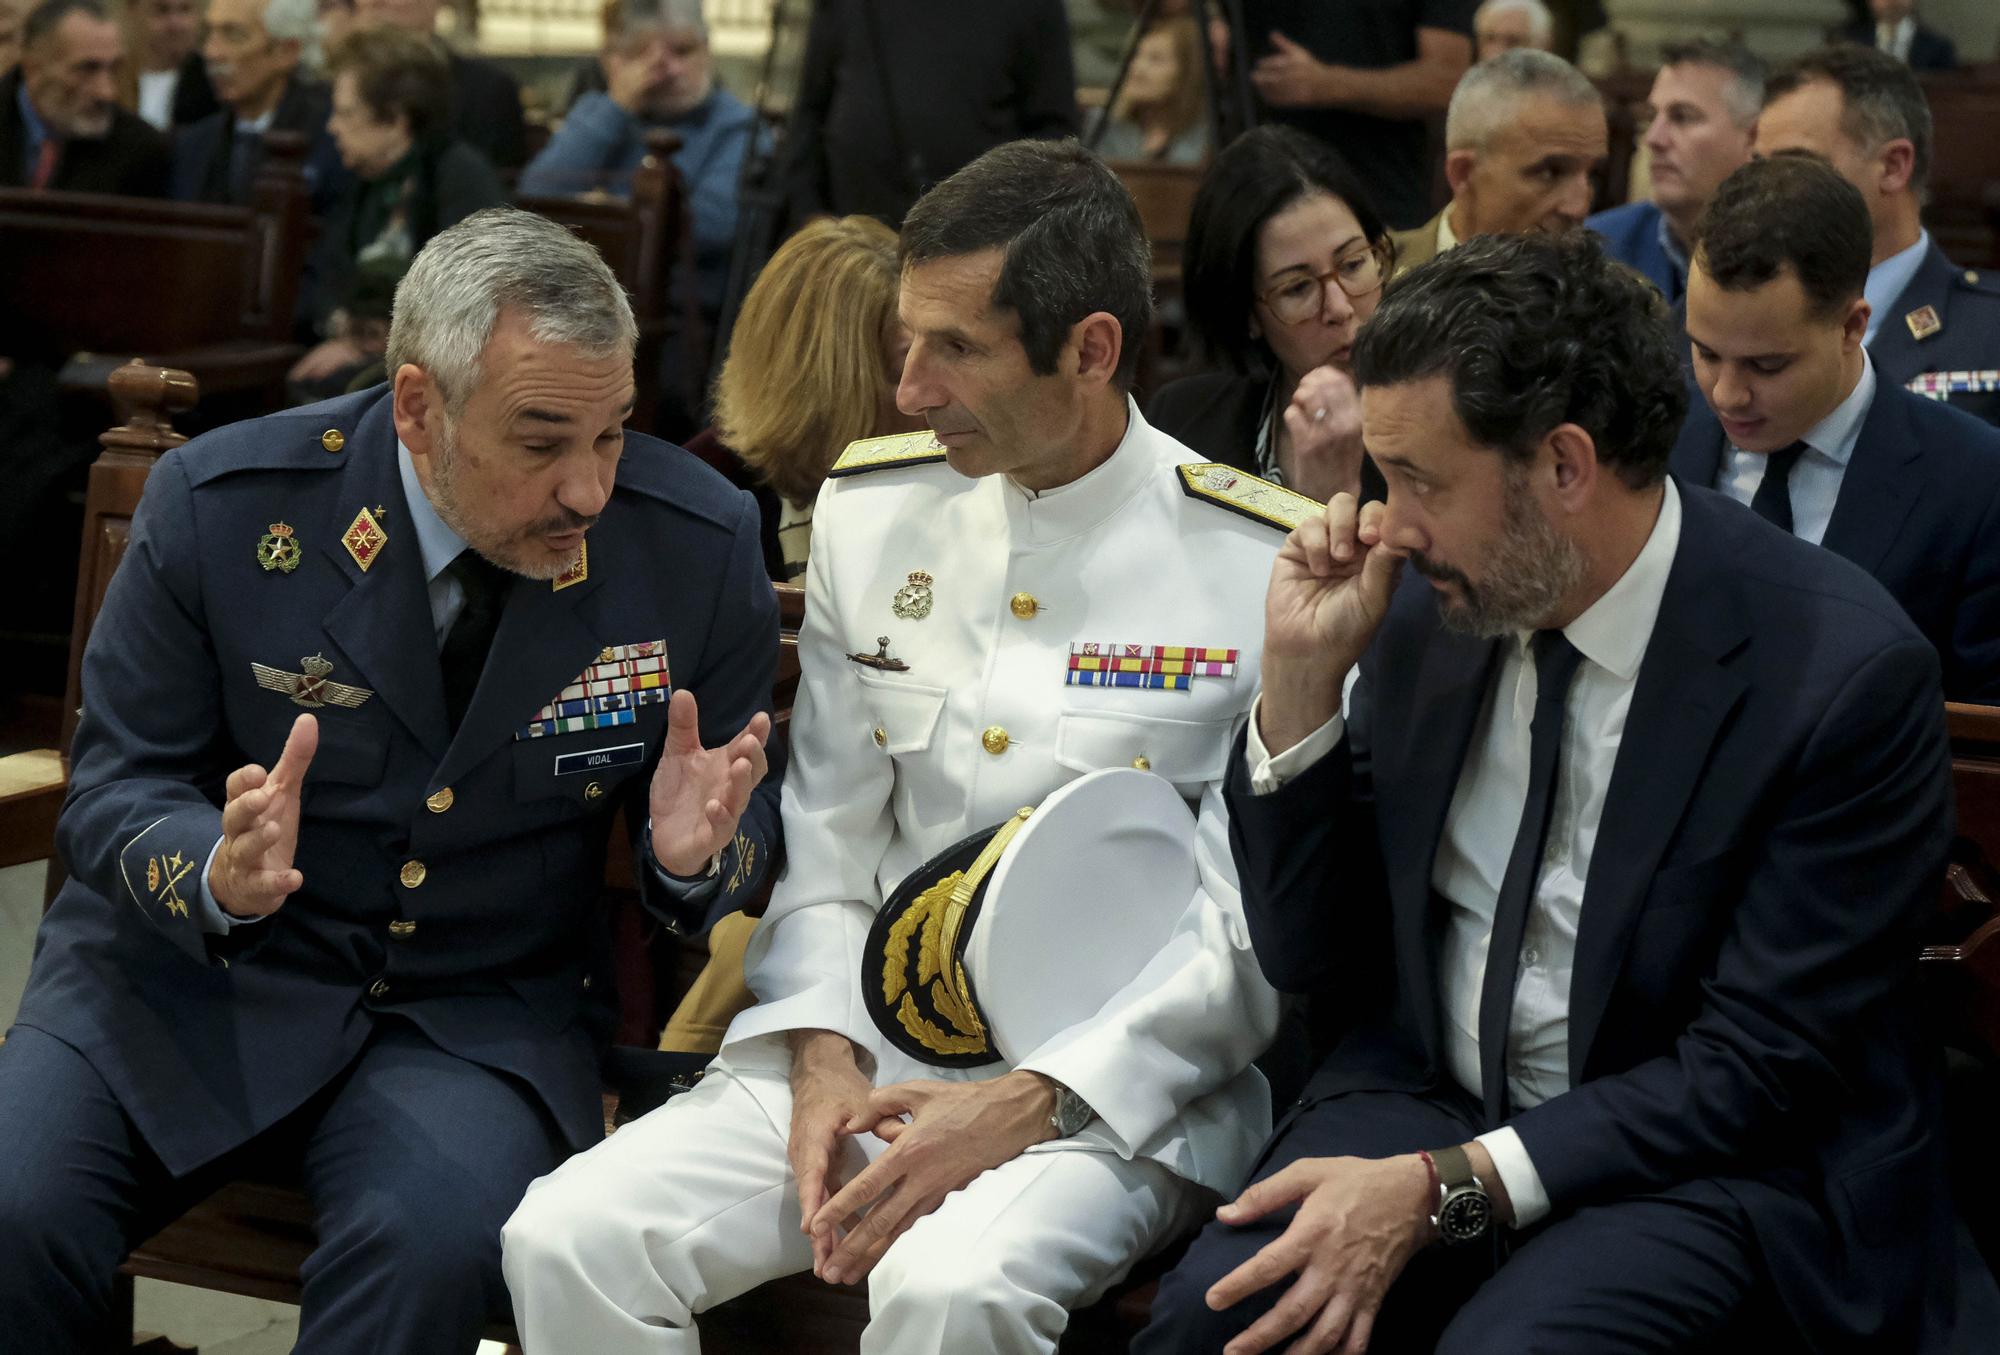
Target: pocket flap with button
x: 905, y: 712
x: 1183, y: 751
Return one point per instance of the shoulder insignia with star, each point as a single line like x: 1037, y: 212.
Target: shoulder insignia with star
x: 897, y: 449
x: 1243, y: 493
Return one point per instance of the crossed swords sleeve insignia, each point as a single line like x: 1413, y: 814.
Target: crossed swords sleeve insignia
x: 310, y: 688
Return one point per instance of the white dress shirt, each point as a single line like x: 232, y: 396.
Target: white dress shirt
x: 1895, y: 38
x: 156, y: 96
x: 1479, y: 831
x: 1815, y: 481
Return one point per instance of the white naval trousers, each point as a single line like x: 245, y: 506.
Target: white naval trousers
x: 620, y: 1248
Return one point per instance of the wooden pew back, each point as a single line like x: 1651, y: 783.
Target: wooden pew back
x: 85, y: 272
x: 1965, y: 164
x: 648, y: 244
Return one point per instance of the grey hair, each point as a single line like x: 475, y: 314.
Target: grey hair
x: 1744, y: 92
x: 295, y: 21
x: 632, y: 16
x: 448, y: 303
x: 1488, y: 96
x: 1540, y: 22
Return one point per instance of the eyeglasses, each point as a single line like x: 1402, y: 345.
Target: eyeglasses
x: 1298, y: 299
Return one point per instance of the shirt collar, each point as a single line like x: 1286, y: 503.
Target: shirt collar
x: 439, y: 544
x: 1069, y: 510
x: 258, y: 125
x: 1614, y: 630
x: 1676, y: 255
x: 1834, y: 436
x: 1888, y: 279
x: 1447, y: 237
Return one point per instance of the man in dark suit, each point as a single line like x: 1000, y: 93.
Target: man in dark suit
x: 60, y: 123
x: 253, y: 51
x: 364, y: 942
x: 1798, y: 426
x: 1613, y: 888
x: 1932, y: 323
x: 485, y: 100
x: 1893, y: 28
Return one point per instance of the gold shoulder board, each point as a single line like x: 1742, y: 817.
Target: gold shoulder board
x: 897, y: 449
x: 1241, y: 492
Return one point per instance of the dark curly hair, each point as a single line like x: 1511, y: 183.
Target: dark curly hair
x: 1534, y: 331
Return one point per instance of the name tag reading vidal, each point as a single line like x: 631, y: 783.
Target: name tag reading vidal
x: 597, y: 759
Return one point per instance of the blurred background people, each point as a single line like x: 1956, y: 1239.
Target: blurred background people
x: 60, y: 123
x: 336, y: 20
x: 658, y: 73
x: 1704, y: 105
x: 1502, y: 25
x: 1525, y: 143
x: 257, y: 53
x: 12, y: 12
x: 173, y: 87
x: 895, y: 95
x: 1285, y: 260
x: 1892, y: 26
x: 1162, y: 110
x: 812, y: 365
x: 1364, y: 78
x: 486, y: 109
x: 411, y: 178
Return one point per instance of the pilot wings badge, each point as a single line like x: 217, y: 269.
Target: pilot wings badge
x: 310, y: 688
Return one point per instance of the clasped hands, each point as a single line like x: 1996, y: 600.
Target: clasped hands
x: 696, y: 799
x: 955, y: 1131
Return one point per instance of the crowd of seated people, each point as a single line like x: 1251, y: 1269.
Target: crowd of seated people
x: 1542, y: 616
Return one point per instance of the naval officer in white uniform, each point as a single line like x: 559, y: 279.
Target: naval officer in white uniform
x: 956, y: 585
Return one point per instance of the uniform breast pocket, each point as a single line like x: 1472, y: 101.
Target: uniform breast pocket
x: 586, y: 770
x: 1186, y: 752
x: 905, y: 714
x: 352, y: 752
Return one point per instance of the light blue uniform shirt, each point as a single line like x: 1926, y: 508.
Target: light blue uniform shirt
x: 1888, y: 279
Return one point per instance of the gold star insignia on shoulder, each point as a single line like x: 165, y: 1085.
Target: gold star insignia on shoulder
x: 310, y: 688
x: 1241, y: 492
x: 897, y: 449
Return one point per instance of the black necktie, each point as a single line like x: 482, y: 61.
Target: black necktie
x: 243, y: 148
x: 1773, y: 500
x: 464, y: 654
x: 1555, y: 666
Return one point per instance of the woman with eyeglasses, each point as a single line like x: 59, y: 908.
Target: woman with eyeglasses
x: 1285, y: 260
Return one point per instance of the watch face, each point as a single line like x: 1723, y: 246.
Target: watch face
x: 1466, y: 1214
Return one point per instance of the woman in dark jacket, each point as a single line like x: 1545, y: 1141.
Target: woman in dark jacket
x: 391, y: 121
x: 1285, y: 260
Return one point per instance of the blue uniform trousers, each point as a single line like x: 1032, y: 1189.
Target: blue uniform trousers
x: 412, y: 1158
x: 1653, y: 1273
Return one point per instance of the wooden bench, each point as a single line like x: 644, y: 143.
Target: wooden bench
x: 647, y: 240
x: 111, y: 278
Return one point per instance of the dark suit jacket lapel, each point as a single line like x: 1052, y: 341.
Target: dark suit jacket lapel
x: 1878, y: 488
x: 384, y: 623
x: 1685, y: 693
x: 547, y: 636
x: 1414, y: 797
x: 1899, y: 354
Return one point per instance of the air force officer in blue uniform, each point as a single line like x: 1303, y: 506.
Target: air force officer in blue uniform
x: 358, y: 708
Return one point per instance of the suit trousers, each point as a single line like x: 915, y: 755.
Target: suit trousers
x: 624, y: 1246
x: 412, y: 1159
x: 1663, y: 1273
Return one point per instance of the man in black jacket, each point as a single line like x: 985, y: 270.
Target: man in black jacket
x: 1893, y: 27
x: 252, y: 52
x: 60, y: 124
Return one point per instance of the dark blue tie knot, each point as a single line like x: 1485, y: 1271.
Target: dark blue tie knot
x: 1555, y: 665
x: 1773, y: 499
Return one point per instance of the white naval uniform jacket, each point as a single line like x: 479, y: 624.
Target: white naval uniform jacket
x: 1121, y: 556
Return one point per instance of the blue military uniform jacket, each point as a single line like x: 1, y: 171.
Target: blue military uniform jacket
x: 1632, y: 236
x: 1947, y: 320
x: 451, y: 880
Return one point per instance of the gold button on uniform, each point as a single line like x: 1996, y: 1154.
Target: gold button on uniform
x: 995, y: 740
x: 1143, y: 763
x: 439, y: 801
x: 1025, y: 606
x: 402, y: 928
x: 332, y: 439
x: 881, y: 737
x: 379, y: 988
x: 412, y: 874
